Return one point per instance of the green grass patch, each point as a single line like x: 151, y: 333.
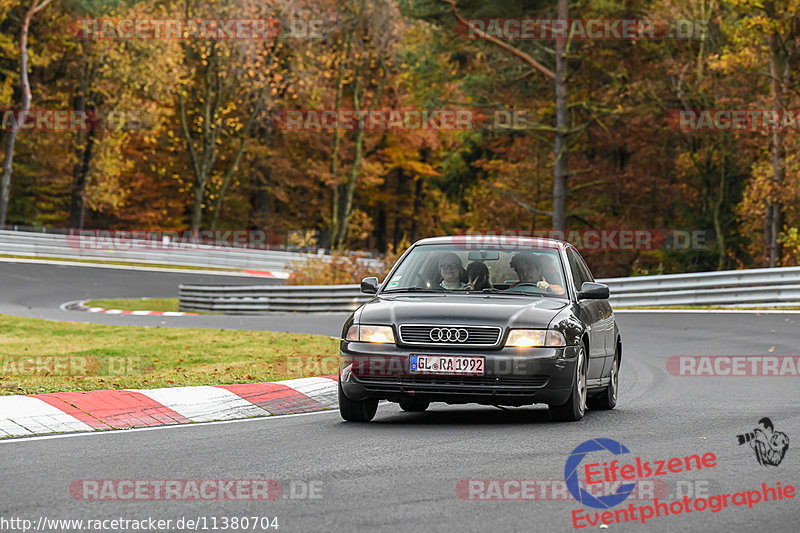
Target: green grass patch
x: 136, y: 304
x: 45, y: 356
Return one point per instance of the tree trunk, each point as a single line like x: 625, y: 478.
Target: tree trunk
x: 347, y: 208
x: 416, y: 210
x: 83, y: 151
x: 560, y: 145
x: 380, y: 230
x: 778, y: 90
x: 77, y: 212
x: 234, y: 166
x: 11, y: 138
x: 203, y: 162
x: 5, y: 179
x: 333, y: 226
x: 718, y: 221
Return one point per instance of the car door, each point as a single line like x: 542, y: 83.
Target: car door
x: 591, y: 314
x: 606, y: 325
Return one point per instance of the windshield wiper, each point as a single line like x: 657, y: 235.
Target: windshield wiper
x: 414, y: 289
x: 523, y: 293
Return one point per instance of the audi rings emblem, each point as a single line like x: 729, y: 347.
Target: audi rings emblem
x: 449, y: 335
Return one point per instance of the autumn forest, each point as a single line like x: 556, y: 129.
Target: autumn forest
x: 207, y: 131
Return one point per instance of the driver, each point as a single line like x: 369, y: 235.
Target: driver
x: 529, y: 269
x: 451, y: 270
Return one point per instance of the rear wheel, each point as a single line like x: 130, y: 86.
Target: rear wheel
x: 608, y: 399
x: 414, y: 405
x: 356, y: 410
x: 575, y: 407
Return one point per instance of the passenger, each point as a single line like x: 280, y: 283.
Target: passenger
x: 478, y: 276
x: 451, y: 271
x: 529, y: 270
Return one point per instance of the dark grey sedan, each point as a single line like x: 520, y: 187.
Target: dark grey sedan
x: 464, y: 320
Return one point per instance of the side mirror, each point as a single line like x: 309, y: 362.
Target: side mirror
x: 369, y: 285
x: 593, y: 291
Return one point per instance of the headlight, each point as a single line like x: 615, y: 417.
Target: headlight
x: 529, y: 338
x: 380, y: 334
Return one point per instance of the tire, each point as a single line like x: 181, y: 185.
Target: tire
x: 356, y: 411
x: 414, y: 405
x: 575, y: 407
x: 608, y: 399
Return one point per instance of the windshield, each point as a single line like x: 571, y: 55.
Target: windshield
x: 444, y: 268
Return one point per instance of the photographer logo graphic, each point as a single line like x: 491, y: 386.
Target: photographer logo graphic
x: 769, y: 445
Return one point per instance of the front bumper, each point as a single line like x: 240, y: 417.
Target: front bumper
x: 513, y: 376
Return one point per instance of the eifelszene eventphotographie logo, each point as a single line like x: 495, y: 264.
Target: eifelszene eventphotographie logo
x: 618, y: 474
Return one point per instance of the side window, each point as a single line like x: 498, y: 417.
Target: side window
x: 586, y: 273
x: 575, y: 267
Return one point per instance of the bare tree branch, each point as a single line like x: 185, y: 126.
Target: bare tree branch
x: 499, y: 43
x: 519, y: 202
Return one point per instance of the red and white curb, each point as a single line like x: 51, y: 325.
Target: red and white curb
x: 277, y: 274
x: 79, y: 306
x: 66, y: 412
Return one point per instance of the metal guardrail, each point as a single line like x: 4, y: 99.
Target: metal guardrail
x: 759, y: 287
x: 30, y: 244
x: 763, y: 287
x: 255, y: 299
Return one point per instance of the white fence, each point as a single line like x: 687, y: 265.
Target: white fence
x: 123, y: 250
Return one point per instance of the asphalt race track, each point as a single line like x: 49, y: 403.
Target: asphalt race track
x: 37, y: 290
x: 400, y: 472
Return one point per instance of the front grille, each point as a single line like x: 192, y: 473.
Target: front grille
x: 446, y: 335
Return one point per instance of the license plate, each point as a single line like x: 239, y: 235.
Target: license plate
x: 446, y: 364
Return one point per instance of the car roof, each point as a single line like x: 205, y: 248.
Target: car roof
x: 491, y: 240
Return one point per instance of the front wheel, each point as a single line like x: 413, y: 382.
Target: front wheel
x: 356, y: 411
x: 575, y: 407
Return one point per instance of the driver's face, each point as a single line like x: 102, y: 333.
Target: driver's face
x: 528, y: 272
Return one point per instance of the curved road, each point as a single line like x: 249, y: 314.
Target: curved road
x: 37, y: 290
x: 400, y: 472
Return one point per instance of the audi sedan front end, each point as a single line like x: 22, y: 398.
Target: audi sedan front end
x: 514, y: 323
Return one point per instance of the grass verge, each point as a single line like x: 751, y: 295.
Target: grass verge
x: 44, y: 356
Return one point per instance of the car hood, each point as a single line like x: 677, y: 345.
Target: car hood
x: 454, y: 309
